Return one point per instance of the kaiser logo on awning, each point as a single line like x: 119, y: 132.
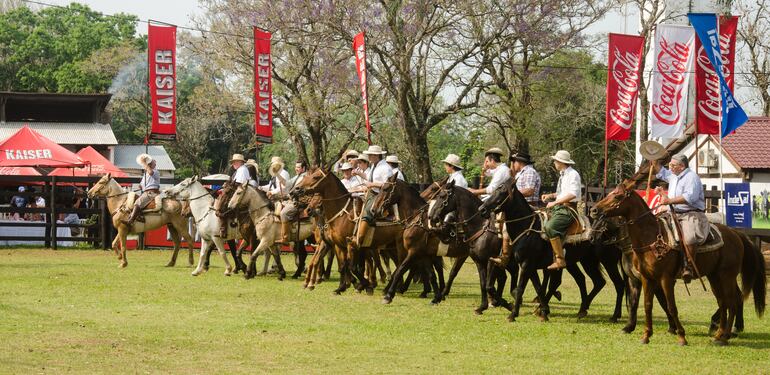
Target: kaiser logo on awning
x: 28, y: 154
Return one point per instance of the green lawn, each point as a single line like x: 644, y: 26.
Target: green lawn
x: 75, y: 311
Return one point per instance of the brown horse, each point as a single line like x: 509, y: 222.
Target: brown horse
x: 339, y: 226
x: 658, y: 264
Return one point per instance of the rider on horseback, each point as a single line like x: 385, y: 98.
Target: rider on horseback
x: 688, y: 203
x: 239, y: 177
x: 379, y: 172
x: 562, y: 208
x: 528, y: 183
x: 454, y: 170
x: 150, y: 185
x: 395, y: 164
x: 495, y: 169
x: 289, y: 210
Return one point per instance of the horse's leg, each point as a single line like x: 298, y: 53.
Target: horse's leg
x: 116, y: 247
x: 312, y: 267
x: 276, y: 250
x: 554, y: 282
x: 634, y: 288
x: 648, y: 286
x: 513, y: 270
x: 738, y: 313
x: 300, y: 256
x: 182, y: 229
x: 205, y: 250
x: 123, y: 259
x: 430, y: 265
x: 397, y: 275
x: 327, y: 274
x: 730, y: 298
x: 221, y: 248
x: 342, y: 266
x: 251, y: 270
x: 482, y: 270
x: 379, y: 257
x: 237, y: 252
x: 268, y: 255
x: 175, y: 239
x: 617, y: 281
x: 597, y: 279
x: 667, y: 284
x: 456, y: 266
x: 525, y: 273
x: 207, y: 258
x: 580, y: 280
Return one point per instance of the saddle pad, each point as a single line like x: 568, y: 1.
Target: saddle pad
x: 154, y: 205
x: 579, y: 231
x: 713, y: 241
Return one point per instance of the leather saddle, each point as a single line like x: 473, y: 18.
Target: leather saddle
x: 579, y: 231
x: 713, y: 241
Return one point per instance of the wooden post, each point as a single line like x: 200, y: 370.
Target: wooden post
x: 46, y: 217
x: 52, y: 204
x: 104, y: 222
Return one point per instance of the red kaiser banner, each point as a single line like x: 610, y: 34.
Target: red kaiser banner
x: 359, y: 49
x: 624, y: 60
x: 161, y: 58
x: 708, y: 102
x: 263, y: 87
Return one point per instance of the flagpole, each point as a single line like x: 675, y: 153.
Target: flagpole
x: 606, y: 152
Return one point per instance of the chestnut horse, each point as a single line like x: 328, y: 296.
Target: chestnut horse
x: 658, y: 264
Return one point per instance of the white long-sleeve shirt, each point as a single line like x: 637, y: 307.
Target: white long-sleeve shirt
x: 499, y: 175
x: 241, y: 175
x: 458, y: 178
x: 569, y: 183
x: 276, y: 187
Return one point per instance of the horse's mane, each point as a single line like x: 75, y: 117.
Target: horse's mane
x: 410, y: 190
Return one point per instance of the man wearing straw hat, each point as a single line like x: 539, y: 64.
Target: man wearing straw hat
x: 561, y: 205
x: 353, y: 183
x: 454, y: 169
x: 379, y: 172
x: 289, y: 210
x: 280, y: 178
x: 688, y: 202
x: 499, y: 172
x: 150, y: 185
x: 350, y: 156
x: 240, y: 176
x: 395, y: 165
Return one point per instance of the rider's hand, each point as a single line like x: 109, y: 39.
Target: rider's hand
x: 664, y: 199
x: 550, y: 204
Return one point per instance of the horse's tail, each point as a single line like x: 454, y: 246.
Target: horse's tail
x: 753, y: 275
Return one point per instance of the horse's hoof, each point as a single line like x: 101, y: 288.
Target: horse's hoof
x: 543, y: 318
x: 337, y: 291
x: 719, y: 342
x: 123, y: 265
x: 170, y: 264
x: 683, y: 341
x: 614, y: 319
x: 627, y: 329
x: 311, y: 287
x: 582, y: 314
x: 195, y: 273
x: 369, y: 291
x: 228, y: 273
x: 557, y: 295
x: 424, y: 295
x: 671, y: 330
x: 479, y: 311
x: 248, y: 276
x: 387, y: 301
x: 645, y: 340
x: 510, y: 318
x: 261, y: 273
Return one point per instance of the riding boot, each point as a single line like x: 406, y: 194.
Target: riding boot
x: 363, y: 227
x: 558, y: 252
x: 505, y: 255
x: 285, y: 231
x: 132, y: 218
x: 687, y: 270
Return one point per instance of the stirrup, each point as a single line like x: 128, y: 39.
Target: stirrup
x: 556, y: 265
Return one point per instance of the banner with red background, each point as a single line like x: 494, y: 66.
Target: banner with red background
x: 708, y: 102
x: 263, y: 87
x: 624, y: 60
x: 161, y: 59
x: 359, y: 50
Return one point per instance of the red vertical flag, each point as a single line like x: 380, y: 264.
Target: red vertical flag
x: 359, y: 50
x: 263, y: 87
x: 624, y: 60
x: 708, y: 102
x: 161, y: 59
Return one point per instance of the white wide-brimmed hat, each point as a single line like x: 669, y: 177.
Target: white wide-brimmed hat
x: 276, y: 160
x: 453, y: 160
x: 375, y: 150
x: 346, y: 166
x: 563, y: 156
x: 495, y: 150
x: 363, y: 158
x: 237, y: 157
x: 652, y: 150
x: 143, y: 159
x: 350, y: 153
x: 253, y: 162
x: 392, y: 159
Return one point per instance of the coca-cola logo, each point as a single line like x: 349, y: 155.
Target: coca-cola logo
x: 672, y: 67
x: 711, y: 105
x: 625, y: 74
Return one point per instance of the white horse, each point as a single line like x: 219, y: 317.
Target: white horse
x: 267, y: 225
x: 170, y: 213
x: 206, y: 220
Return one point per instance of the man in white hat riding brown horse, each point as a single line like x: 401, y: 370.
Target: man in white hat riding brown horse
x: 149, y: 184
x: 240, y: 176
x: 290, y: 210
x: 561, y: 206
x: 379, y: 172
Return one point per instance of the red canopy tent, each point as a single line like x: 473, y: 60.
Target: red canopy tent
x: 19, y: 171
x: 99, y: 165
x: 27, y: 148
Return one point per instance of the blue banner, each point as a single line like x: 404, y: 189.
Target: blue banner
x: 706, y: 27
x: 738, y: 205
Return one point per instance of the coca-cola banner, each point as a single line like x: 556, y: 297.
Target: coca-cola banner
x: 625, y: 57
x: 263, y: 87
x: 359, y: 49
x: 705, y: 25
x: 161, y: 57
x: 708, y: 105
x: 672, y: 63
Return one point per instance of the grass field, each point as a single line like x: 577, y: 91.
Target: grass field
x: 74, y: 311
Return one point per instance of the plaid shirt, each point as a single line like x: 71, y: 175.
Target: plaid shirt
x: 528, y: 178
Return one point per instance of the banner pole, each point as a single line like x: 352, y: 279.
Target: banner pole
x: 147, y: 119
x: 366, y: 63
x: 606, y: 153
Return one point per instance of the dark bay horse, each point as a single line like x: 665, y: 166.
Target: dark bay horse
x: 658, y: 264
x: 532, y: 252
x: 474, y: 231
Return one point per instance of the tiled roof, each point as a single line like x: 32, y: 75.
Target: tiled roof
x: 125, y: 156
x: 65, y: 133
x: 748, y: 146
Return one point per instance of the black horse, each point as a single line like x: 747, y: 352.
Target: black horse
x: 532, y: 252
x: 469, y: 228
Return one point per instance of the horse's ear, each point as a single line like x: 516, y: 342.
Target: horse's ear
x: 628, y: 184
x: 327, y: 169
x: 393, y: 178
x: 109, y: 176
x: 450, y: 184
x: 195, y: 178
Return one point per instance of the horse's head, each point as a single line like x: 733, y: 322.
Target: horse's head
x: 181, y: 190
x: 444, y: 203
x: 433, y: 188
x: 237, y: 199
x: 618, y: 202
x: 390, y: 194
x: 314, y: 206
x: 101, y: 188
x: 311, y: 183
x: 506, y: 192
